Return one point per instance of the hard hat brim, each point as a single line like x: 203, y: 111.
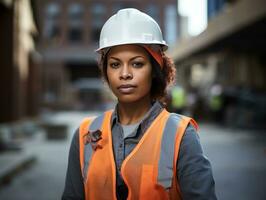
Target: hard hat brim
x: 164, y: 47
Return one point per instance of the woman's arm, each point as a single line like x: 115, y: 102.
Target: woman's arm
x: 194, y: 169
x: 74, y: 189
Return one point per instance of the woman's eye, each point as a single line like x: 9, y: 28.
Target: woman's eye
x: 137, y: 64
x: 114, y: 65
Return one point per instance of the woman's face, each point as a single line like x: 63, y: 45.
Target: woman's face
x: 129, y: 73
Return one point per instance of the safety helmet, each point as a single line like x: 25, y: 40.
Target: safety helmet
x: 130, y: 26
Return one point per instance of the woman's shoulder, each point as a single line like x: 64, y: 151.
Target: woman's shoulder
x: 94, y: 117
x: 190, y: 123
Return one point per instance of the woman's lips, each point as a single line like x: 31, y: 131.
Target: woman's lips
x: 126, y: 89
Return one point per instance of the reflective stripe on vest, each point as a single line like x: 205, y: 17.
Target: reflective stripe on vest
x: 149, y: 170
x: 95, y: 125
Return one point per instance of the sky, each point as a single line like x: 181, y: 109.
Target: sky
x: 196, y: 11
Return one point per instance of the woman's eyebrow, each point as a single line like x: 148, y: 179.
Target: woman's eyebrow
x: 133, y: 58
x: 114, y: 58
x: 136, y: 57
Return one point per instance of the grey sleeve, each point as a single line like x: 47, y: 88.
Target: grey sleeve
x: 74, y: 189
x: 194, y: 169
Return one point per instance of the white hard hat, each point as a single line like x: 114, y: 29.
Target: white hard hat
x: 130, y: 26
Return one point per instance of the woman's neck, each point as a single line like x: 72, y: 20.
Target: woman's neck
x: 131, y: 113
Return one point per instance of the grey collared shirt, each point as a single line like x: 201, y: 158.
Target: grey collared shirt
x: 194, y: 170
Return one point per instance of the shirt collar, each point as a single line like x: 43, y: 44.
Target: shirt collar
x: 149, y: 116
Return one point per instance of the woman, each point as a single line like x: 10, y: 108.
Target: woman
x: 139, y: 150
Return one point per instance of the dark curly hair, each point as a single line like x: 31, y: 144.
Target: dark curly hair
x: 162, y: 78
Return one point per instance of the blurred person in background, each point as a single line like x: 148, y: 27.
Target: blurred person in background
x: 138, y: 150
x: 178, y: 99
x: 216, y: 103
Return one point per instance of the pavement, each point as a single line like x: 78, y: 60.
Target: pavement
x: 12, y: 163
x: 44, y: 178
x: 238, y: 159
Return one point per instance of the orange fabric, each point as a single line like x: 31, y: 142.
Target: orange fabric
x: 139, y: 169
x: 156, y: 55
x: 100, y: 182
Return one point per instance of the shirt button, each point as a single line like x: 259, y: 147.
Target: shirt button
x: 121, y: 145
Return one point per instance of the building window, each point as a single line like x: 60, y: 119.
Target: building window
x: 170, y: 21
x: 95, y: 34
x: 51, y: 30
x: 74, y: 34
x: 98, y: 19
x: 214, y: 7
x: 76, y: 12
x: 52, y: 11
x: 75, y: 16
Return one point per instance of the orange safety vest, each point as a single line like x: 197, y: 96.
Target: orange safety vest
x: 149, y: 171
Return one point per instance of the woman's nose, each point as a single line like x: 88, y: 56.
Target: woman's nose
x: 126, y: 73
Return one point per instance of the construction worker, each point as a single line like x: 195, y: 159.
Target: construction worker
x: 138, y: 150
x: 216, y: 103
x: 178, y: 99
